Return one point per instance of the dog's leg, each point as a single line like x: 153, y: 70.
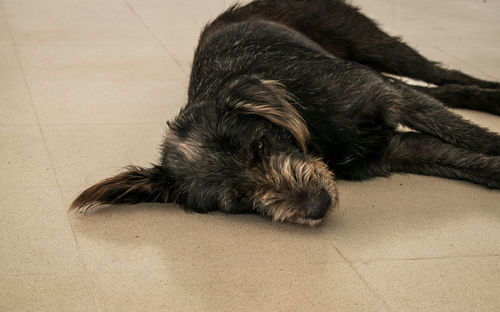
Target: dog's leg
x: 371, y: 46
x: 427, y: 115
x: 342, y: 30
x: 470, y: 97
x: 341, y: 25
x: 385, y: 53
x: 423, y: 154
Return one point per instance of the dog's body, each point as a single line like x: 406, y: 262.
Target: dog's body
x: 283, y: 93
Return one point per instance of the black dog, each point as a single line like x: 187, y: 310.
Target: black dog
x: 283, y: 93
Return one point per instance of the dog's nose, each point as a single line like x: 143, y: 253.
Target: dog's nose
x: 318, y: 206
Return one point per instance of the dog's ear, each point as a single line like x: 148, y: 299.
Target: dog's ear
x: 135, y: 185
x: 269, y: 99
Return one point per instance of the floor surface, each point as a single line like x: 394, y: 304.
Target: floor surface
x: 85, y: 89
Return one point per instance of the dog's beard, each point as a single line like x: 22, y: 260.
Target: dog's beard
x: 287, y: 186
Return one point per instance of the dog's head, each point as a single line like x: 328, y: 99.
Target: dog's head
x: 243, y: 151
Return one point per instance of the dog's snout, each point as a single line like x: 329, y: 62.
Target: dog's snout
x: 318, y: 206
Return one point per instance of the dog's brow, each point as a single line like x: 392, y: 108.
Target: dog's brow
x: 276, y: 106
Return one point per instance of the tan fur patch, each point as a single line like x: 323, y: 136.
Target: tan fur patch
x: 283, y: 180
x: 275, y: 104
x: 189, y: 147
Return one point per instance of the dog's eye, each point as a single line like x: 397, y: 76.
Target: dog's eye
x: 261, y: 148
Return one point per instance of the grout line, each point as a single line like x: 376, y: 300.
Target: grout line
x: 38, y: 124
x: 78, y: 249
x: 409, y: 259
x: 351, y: 265
x: 2, y: 10
x: 154, y: 35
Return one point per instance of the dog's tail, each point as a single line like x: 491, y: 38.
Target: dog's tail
x: 135, y: 185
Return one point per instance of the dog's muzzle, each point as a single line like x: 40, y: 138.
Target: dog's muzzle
x: 294, y: 188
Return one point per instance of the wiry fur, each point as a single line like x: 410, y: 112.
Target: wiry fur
x: 286, y: 182
x: 133, y: 186
x: 270, y: 100
x: 284, y: 93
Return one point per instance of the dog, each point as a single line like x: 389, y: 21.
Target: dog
x: 286, y: 96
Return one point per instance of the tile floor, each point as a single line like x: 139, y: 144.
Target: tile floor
x: 85, y: 89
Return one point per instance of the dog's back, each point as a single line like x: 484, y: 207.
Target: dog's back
x: 304, y: 16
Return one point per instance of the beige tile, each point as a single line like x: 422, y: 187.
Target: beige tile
x: 410, y: 216
x: 98, y: 63
x: 199, y: 12
x: 74, y: 21
x: 84, y: 154
x: 484, y: 8
x: 180, y: 32
x: 24, y: 161
x: 151, y: 237
x: 16, y: 107
x: 35, y: 234
x: 108, y: 102
x: 5, y: 38
x: 9, y: 63
x: 102, y: 62
x: 428, y: 9
x: 181, y: 43
x: 45, y: 293
x: 238, y: 288
x: 466, y: 31
x: 459, y: 284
